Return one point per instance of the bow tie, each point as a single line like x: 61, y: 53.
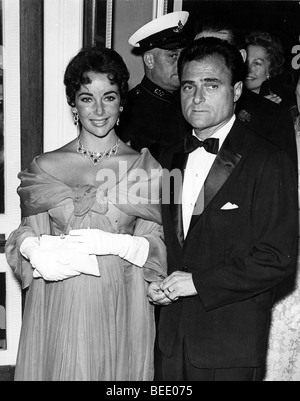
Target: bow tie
x: 211, y: 145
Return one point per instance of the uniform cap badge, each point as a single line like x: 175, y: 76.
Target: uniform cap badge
x: 179, y: 29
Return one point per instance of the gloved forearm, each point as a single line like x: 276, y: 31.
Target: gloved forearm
x: 133, y: 249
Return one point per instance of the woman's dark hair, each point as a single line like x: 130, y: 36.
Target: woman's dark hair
x: 98, y: 60
x: 273, y: 47
x: 204, y: 48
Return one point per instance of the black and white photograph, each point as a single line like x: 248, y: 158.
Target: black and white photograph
x: 149, y: 193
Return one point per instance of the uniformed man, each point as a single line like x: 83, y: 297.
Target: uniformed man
x: 152, y: 117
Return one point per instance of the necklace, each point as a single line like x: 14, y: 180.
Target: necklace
x: 96, y: 157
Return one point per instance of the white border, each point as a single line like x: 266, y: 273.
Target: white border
x: 109, y: 23
x: 63, y: 38
x: 160, y: 7
x: 11, y: 219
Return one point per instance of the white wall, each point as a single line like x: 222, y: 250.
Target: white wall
x: 129, y: 16
x: 63, y: 32
x: 12, y: 216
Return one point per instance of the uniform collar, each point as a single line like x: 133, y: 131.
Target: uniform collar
x: 158, y: 92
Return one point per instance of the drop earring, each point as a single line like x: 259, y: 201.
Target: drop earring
x: 76, y: 119
x: 76, y: 123
x: 118, y: 120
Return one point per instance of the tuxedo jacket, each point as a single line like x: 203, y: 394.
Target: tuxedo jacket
x: 238, y: 250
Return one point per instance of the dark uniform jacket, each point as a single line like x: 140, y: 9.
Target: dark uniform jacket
x: 269, y: 120
x: 237, y: 257
x: 152, y: 118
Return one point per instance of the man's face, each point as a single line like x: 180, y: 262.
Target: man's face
x: 164, y: 72
x: 207, y: 95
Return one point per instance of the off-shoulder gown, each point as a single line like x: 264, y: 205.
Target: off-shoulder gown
x: 89, y: 328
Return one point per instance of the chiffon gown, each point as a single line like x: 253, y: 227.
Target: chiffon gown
x: 89, y: 328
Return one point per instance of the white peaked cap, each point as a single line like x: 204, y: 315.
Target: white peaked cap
x: 163, y: 32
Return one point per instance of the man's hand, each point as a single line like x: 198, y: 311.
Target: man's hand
x: 178, y: 285
x: 156, y: 295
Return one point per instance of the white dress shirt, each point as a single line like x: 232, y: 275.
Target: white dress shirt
x: 198, y: 166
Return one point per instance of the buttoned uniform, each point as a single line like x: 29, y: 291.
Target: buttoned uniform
x: 270, y: 121
x: 242, y: 245
x: 152, y: 118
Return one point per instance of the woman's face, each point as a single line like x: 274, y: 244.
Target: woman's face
x: 98, y: 105
x: 258, y: 67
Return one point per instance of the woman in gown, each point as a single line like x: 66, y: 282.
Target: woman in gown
x: 283, y: 362
x: 82, y: 322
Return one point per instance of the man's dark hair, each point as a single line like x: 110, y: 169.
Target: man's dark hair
x: 235, y: 38
x: 204, y: 48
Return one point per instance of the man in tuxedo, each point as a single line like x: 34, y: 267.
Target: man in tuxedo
x: 230, y: 229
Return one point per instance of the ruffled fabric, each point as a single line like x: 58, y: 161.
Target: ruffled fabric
x: 138, y: 186
x: 283, y: 360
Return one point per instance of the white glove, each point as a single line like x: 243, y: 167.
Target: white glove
x: 46, y: 264
x: 53, y: 262
x: 52, y: 267
x: 28, y: 246
x: 97, y: 242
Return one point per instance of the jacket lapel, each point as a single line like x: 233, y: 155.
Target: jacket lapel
x: 177, y: 168
x: 223, y: 166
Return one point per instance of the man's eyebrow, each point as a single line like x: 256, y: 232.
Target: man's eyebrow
x: 215, y: 80
x: 173, y: 51
x: 187, y: 82
x: 209, y: 80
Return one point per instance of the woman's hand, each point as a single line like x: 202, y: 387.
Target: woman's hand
x: 274, y: 98
x: 52, y: 261
x: 51, y: 266
x: 156, y: 294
